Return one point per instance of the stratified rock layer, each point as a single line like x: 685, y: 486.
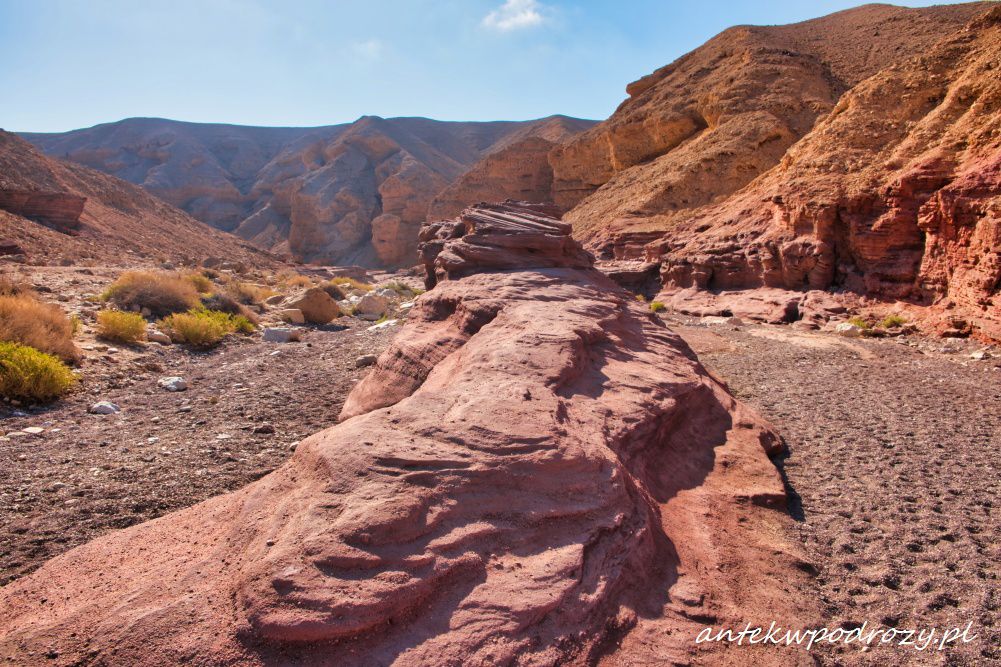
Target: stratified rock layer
x: 535, y: 472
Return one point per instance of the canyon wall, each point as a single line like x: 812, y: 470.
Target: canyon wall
x: 536, y: 471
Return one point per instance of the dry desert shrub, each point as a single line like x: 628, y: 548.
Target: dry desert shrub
x: 223, y: 302
x: 351, y: 283
x: 249, y: 294
x: 43, y: 326
x: 204, y: 328
x: 121, y: 326
x: 29, y: 375
x: 201, y: 282
x: 298, y: 281
x: 160, y: 293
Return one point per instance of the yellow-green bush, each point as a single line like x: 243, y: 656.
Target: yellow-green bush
x: 43, y: 326
x: 204, y: 328
x: 160, y: 293
x: 657, y: 306
x: 893, y: 321
x: 29, y: 375
x: 121, y: 326
x: 200, y: 282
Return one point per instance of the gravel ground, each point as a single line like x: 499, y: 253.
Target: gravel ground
x: 894, y: 474
x: 87, y: 474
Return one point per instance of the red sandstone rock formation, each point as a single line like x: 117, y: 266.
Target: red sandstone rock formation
x: 345, y: 194
x: 536, y: 472
x: 111, y: 220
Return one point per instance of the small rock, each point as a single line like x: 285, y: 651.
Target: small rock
x: 282, y: 335
x: 264, y: 429
x: 848, y: 330
x: 292, y: 315
x: 365, y: 360
x: 372, y: 306
x: 104, y: 408
x: 173, y: 383
x: 383, y: 325
x: 33, y: 430
x: 980, y: 355
x: 274, y: 300
x: 157, y: 336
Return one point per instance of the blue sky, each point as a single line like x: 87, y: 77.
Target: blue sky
x: 66, y: 64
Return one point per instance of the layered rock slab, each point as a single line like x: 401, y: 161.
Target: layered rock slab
x: 535, y: 472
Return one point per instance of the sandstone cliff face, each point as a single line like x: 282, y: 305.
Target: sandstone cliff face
x: 344, y: 194
x: 706, y: 125
x: 517, y: 169
x: 536, y: 472
x: 43, y: 199
x: 894, y: 200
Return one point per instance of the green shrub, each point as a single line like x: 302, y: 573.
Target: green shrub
x: 160, y: 293
x: 204, y: 328
x: 29, y: 375
x: 893, y: 321
x: 121, y: 326
x: 43, y: 326
x: 657, y: 306
x: 860, y: 322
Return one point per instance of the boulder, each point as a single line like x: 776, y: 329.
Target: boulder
x: 157, y: 336
x: 104, y: 408
x: 848, y: 330
x: 316, y: 305
x: 365, y: 360
x: 371, y: 306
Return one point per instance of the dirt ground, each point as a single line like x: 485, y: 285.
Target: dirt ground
x: 247, y: 403
x: 894, y: 471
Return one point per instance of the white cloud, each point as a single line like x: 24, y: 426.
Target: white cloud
x: 515, y: 15
x: 370, y: 49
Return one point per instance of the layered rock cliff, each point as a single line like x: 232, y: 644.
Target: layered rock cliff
x: 855, y: 152
x: 345, y: 194
x: 44, y: 199
x: 536, y: 471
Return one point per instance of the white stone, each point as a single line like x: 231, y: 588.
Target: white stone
x: 980, y: 355
x: 383, y: 325
x: 371, y: 306
x: 157, y: 336
x: 173, y: 383
x: 33, y: 430
x: 104, y: 408
x: 281, y: 335
x: 848, y: 329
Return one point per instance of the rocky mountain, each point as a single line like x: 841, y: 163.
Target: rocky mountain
x: 346, y: 194
x: 56, y: 210
x: 857, y: 151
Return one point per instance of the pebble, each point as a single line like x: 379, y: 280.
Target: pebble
x: 104, y: 408
x: 33, y: 430
x: 365, y: 360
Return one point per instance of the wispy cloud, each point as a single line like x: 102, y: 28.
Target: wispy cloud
x: 369, y: 49
x: 515, y: 15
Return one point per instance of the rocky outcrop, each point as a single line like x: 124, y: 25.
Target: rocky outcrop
x: 536, y: 471
x: 896, y: 201
x: 59, y: 210
x: 706, y: 125
x: 354, y: 193
x: 518, y: 170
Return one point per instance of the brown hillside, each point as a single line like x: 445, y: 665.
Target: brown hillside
x: 118, y: 223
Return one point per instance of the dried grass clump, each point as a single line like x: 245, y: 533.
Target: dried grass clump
x: 351, y: 283
x: 204, y: 328
x: 159, y: 293
x: 120, y: 326
x: 200, y: 282
x: 43, y: 326
x: 27, y: 374
x: 248, y: 293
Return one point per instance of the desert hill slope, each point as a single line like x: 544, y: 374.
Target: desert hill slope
x: 350, y: 193
x: 53, y: 209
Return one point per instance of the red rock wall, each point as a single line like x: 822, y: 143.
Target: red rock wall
x: 57, y: 209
